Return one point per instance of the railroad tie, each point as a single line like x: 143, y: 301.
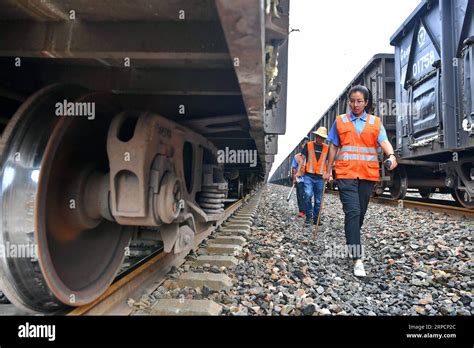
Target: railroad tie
x: 185, y: 307
x: 235, y: 240
x: 216, y: 260
x: 223, y: 249
x: 212, y: 281
x: 235, y: 232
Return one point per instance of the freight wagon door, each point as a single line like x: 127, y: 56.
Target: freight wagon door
x: 464, y: 37
x: 422, y: 80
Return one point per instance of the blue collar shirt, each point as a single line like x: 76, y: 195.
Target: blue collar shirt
x: 359, y: 124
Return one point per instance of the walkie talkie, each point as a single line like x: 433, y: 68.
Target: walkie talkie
x: 388, y: 163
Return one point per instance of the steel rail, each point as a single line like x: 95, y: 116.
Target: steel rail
x: 414, y: 203
x: 428, y: 206
x: 145, y: 278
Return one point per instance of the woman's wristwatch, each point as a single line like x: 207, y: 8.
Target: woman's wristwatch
x: 392, y: 154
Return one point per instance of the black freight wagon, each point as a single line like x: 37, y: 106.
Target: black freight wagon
x: 434, y: 68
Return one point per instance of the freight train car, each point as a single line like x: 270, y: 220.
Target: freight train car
x: 128, y: 118
x: 434, y: 64
x: 379, y: 76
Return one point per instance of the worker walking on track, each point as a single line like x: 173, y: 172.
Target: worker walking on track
x: 298, y: 179
x: 315, y: 154
x: 354, y: 139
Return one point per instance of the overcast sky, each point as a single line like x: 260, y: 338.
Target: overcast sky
x: 336, y: 39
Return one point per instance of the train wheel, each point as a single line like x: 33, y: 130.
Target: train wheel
x: 455, y: 197
x: 426, y: 193
x: 398, y: 186
x: 46, y: 160
x: 463, y: 198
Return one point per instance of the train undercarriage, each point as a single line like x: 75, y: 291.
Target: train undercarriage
x: 450, y: 177
x: 87, y: 188
x: 113, y: 121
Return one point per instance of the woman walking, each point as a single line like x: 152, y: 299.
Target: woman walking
x: 354, y: 139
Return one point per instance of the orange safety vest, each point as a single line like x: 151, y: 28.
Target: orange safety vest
x: 357, y: 156
x: 314, y: 166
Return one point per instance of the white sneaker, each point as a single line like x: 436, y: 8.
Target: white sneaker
x: 359, y: 270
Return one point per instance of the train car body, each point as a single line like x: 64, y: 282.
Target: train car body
x: 434, y: 63
x: 128, y: 119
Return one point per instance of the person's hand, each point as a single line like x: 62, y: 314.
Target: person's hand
x: 330, y: 177
x: 394, y: 165
x: 327, y: 175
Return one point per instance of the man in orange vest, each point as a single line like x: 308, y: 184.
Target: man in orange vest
x: 355, y: 138
x: 298, y: 180
x: 315, y: 153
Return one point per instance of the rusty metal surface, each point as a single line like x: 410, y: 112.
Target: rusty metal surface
x: 243, y: 25
x: 155, y: 147
x: 107, y: 10
x: 248, y: 29
x: 106, y: 32
x: 137, y: 82
x: 225, y: 123
x: 192, y: 41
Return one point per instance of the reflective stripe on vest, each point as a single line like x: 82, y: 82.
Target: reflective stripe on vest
x: 312, y: 164
x: 358, y: 149
x: 322, y: 168
x: 311, y: 160
x: 352, y: 156
x: 357, y: 157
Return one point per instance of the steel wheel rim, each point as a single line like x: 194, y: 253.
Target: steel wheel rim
x: 461, y: 197
x: 398, y: 189
x: 43, y: 285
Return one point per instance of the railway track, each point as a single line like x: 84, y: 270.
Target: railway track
x: 435, y: 205
x: 145, y: 277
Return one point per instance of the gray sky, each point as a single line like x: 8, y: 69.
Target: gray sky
x: 336, y: 39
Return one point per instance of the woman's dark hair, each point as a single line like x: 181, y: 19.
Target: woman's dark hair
x: 365, y: 92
